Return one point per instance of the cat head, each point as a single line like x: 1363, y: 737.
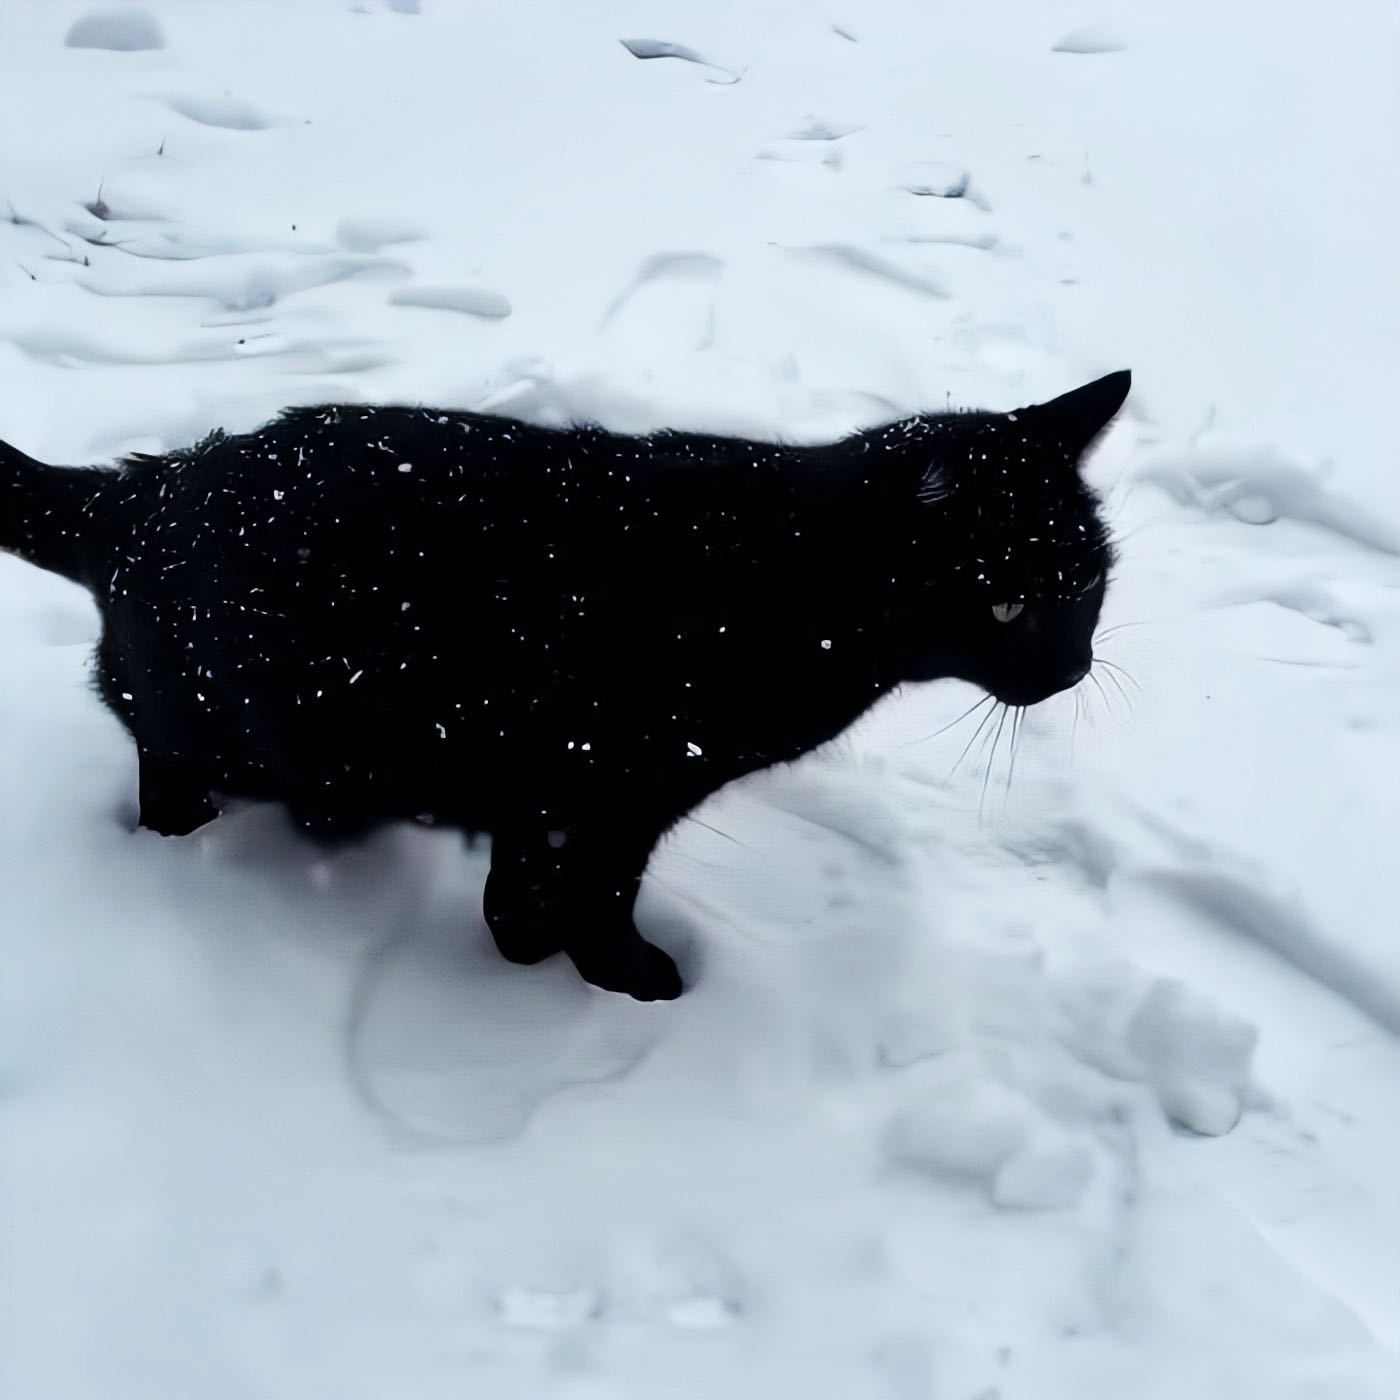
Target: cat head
x: 1011, y: 549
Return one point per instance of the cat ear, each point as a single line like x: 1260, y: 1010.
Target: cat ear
x: 1075, y: 419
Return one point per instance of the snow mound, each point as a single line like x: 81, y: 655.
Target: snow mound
x: 1158, y: 1032
x: 664, y: 48
x: 1261, y: 487
x: 470, y: 301
x: 118, y: 30
x: 939, y: 179
x: 238, y: 282
x: 221, y: 110
x: 370, y: 235
x: 817, y: 129
x: 974, y: 1129
x: 1095, y: 38
x: 661, y: 48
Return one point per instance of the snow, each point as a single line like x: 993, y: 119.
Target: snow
x: 1092, y: 38
x: 1073, y: 1082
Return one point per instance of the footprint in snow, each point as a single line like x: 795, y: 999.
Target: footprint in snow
x: 118, y: 31
x: 452, y: 1046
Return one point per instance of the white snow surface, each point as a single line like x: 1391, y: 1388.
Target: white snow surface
x: 1071, y: 1083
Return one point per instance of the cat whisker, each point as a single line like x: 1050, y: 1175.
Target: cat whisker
x: 1017, y: 718
x: 1116, y: 669
x: 1120, y: 688
x: 1099, y: 686
x: 1123, y: 627
x: 991, y: 763
x: 976, y: 734
x: 718, y: 832
x: 953, y: 723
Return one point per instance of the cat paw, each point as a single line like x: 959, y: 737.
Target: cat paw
x: 524, y: 945
x: 638, y: 968
x: 171, y: 818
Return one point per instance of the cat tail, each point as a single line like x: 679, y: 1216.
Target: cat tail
x: 50, y: 515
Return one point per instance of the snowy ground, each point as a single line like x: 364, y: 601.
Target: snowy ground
x: 1071, y: 1084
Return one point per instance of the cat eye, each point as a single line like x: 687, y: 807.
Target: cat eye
x: 1007, y: 612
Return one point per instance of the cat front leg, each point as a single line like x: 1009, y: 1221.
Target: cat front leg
x: 618, y: 959
x: 520, y: 889
x: 567, y: 888
x: 174, y: 795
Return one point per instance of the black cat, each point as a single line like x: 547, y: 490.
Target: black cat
x: 563, y: 637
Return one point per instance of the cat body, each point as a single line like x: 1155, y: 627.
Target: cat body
x: 566, y: 638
